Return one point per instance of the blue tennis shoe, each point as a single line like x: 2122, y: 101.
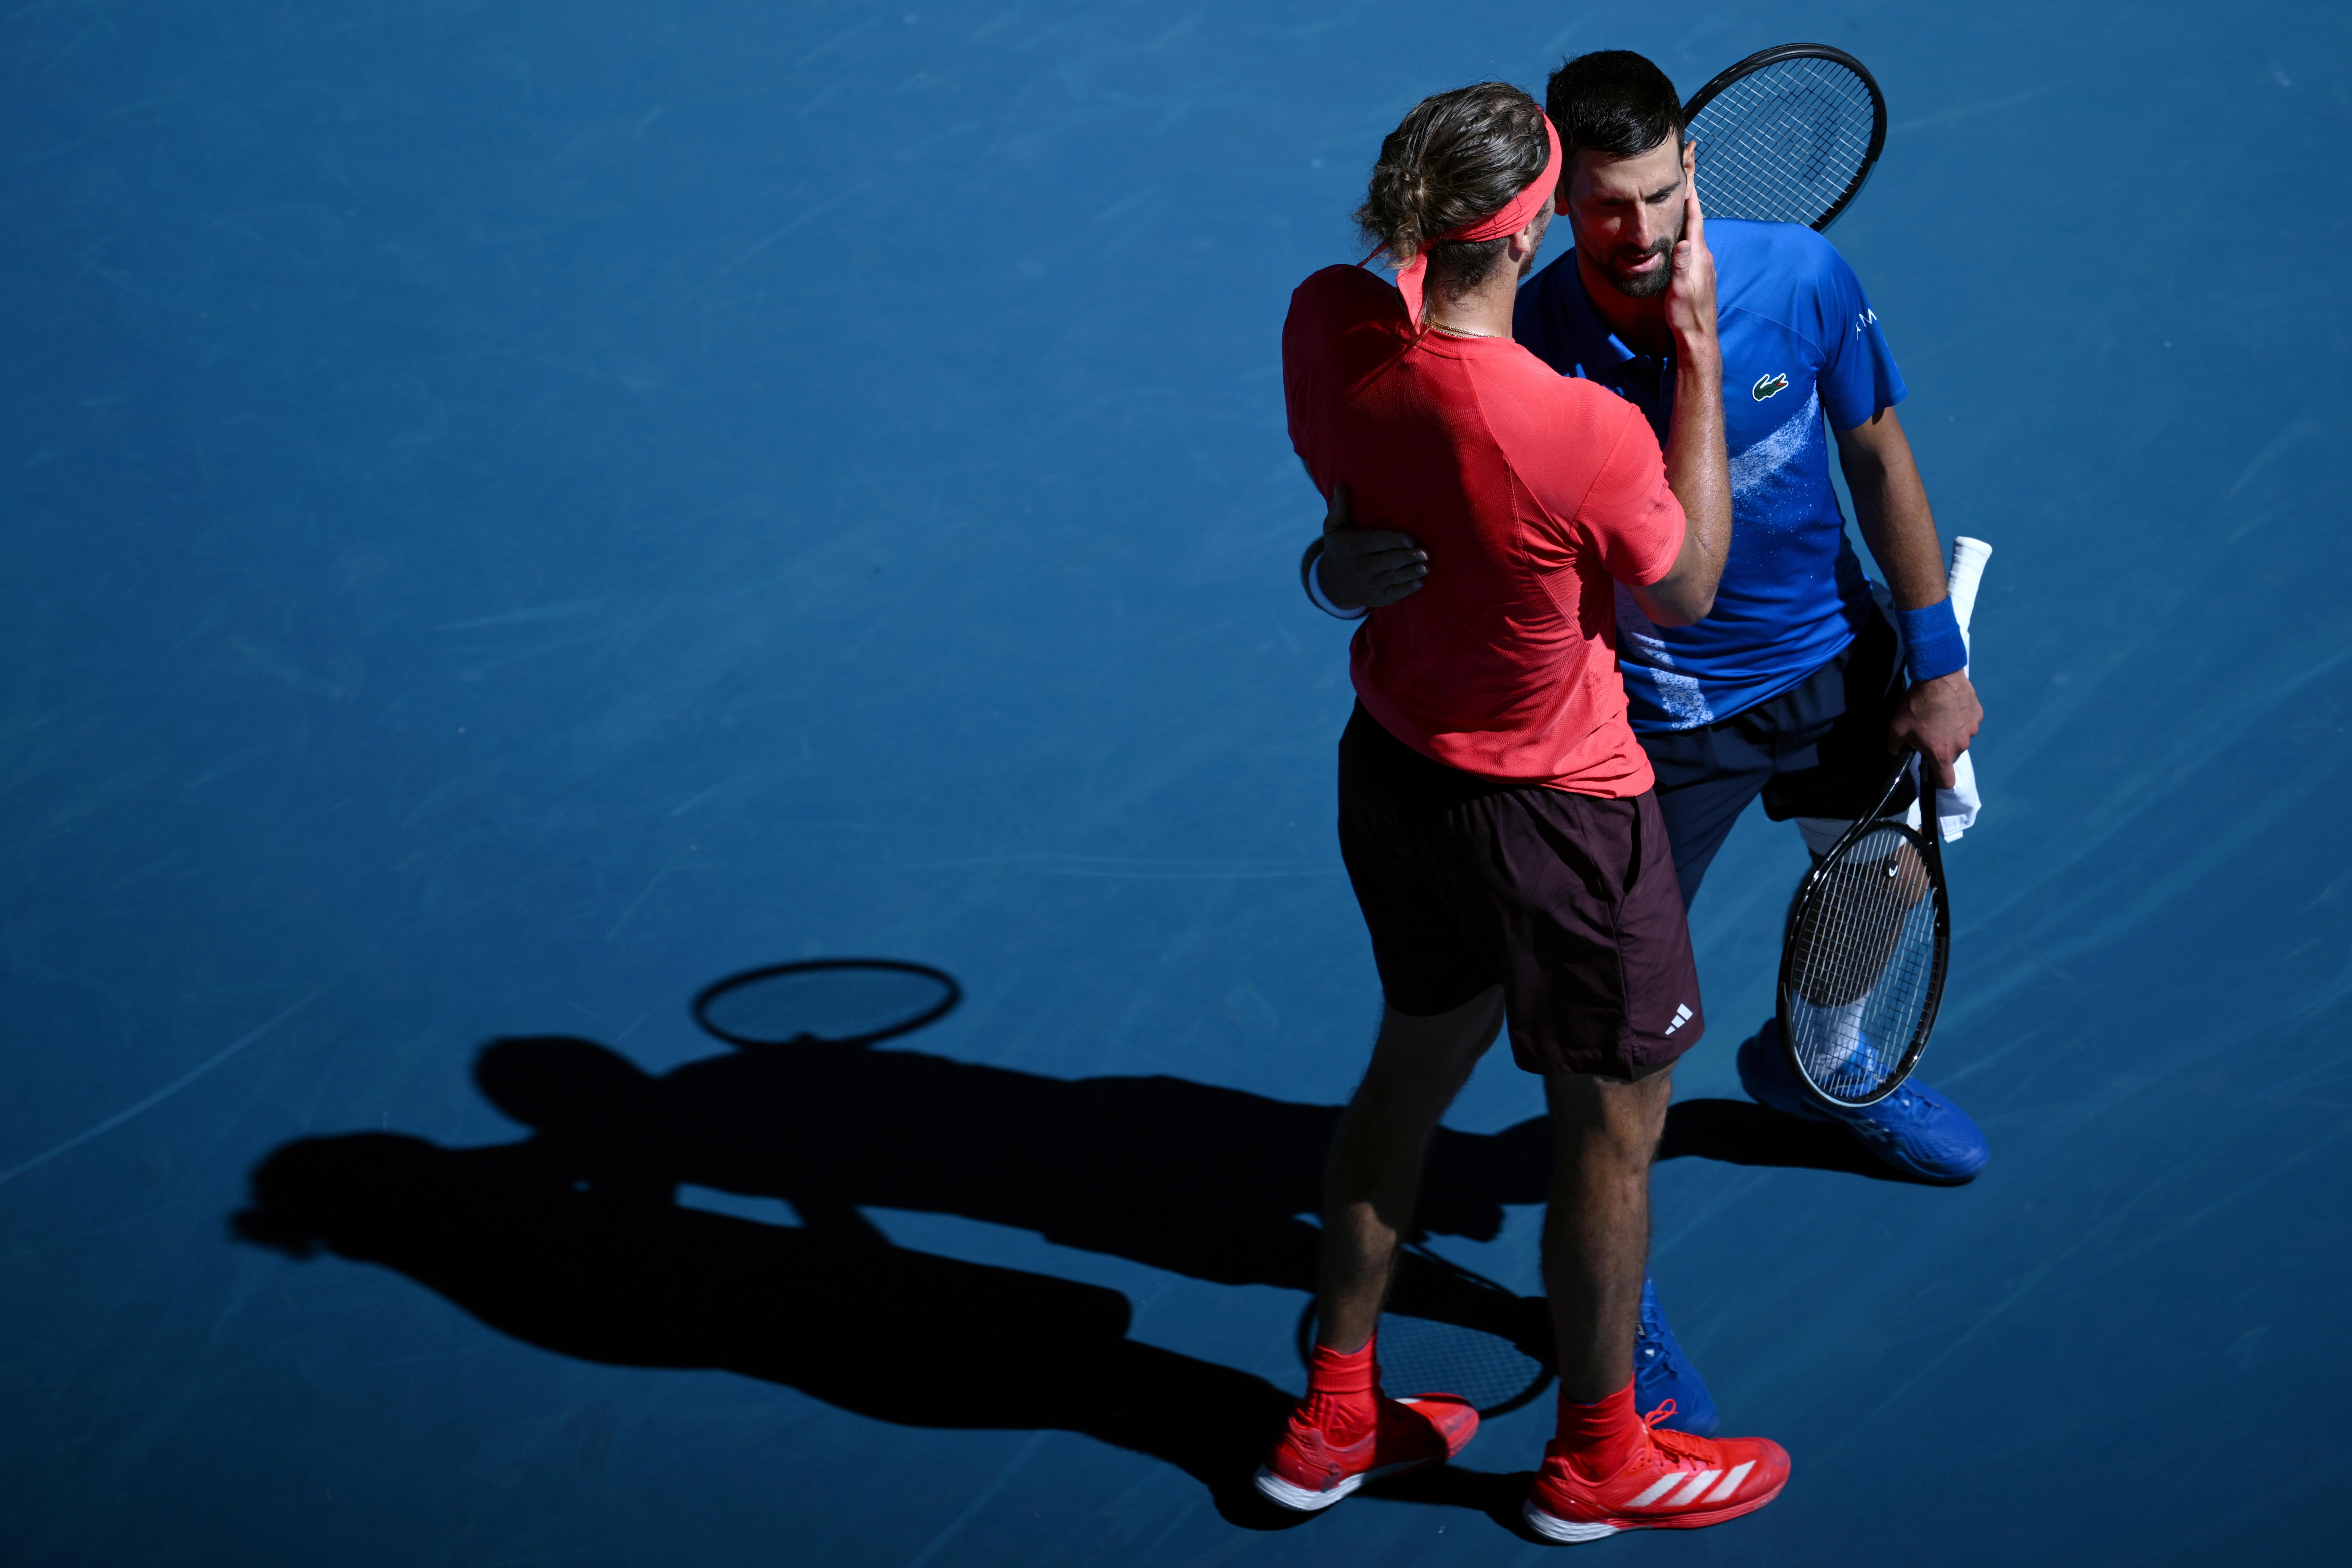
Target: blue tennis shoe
x: 1660, y: 1372
x: 1915, y: 1130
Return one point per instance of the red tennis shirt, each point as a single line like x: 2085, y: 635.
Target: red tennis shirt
x: 1530, y: 492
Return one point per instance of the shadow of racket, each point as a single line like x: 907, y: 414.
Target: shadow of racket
x: 1492, y: 1364
x: 837, y: 1001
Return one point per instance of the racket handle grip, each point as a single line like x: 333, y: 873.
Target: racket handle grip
x: 1968, y: 566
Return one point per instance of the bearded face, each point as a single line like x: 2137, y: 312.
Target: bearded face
x: 1627, y: 213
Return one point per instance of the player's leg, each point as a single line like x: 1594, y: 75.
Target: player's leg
x: 1706, y: 777
x: 1443, y: 1004
x: 1619, y: 1011
x: 1839, y: 770
x: 1596, y: 1238
x: 1347, y: 1430
x: 1373, y: 1173
x: 1443, y: 1007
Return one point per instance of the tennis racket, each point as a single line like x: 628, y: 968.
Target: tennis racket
x: 1788, y: 135
x: 1492, y: 1367
x: 1862, y: 966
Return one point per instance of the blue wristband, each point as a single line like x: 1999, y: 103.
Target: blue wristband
x: 1932, y: 644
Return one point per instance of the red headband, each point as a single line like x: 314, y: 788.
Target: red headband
x: 1521, y: 212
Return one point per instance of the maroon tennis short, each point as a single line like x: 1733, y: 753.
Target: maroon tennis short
x: 1568, y: 901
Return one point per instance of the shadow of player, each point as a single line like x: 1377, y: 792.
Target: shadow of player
x: 1201, y: 1181
x: 572, y: 1239
x: 836, y: 1311
x: 1207, y: 1182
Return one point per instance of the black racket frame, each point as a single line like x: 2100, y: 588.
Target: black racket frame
x: 1774, y: 56
x: 1884, y: 815
x: 1526, y: 1395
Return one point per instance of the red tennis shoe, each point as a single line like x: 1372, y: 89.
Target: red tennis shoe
x: 1309, y: 1471
x: 1673, y: 1481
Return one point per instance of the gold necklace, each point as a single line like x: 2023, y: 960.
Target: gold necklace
x: 1437, y: 326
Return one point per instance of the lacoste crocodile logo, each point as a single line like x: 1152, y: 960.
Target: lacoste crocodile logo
x: 1767, y: 385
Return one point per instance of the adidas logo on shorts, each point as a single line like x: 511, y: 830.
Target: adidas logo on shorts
x: 1682, y: 1016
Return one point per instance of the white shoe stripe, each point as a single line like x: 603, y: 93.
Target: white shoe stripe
x: 1731, y: 1482
x: 1672, y: 1480
x: 1689, y: 1495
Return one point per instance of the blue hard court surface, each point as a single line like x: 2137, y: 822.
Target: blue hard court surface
x: 517, y: 511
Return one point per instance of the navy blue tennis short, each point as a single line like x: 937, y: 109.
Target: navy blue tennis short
x: 1818, y: 749
x: 1567, y: 901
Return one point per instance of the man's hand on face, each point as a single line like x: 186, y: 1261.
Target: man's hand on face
x: 1938, y: 717
x: 1690, y: 295
x: 1365, y: 566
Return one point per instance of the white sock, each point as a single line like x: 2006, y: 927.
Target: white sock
x: 1835, y: 1033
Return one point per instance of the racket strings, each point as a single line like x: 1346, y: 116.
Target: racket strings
x: 1863, y: 964
x: 1784, y: 143
x: 1422, y: 1357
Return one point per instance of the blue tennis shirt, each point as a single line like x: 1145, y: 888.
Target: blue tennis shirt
x: 1800, y: 341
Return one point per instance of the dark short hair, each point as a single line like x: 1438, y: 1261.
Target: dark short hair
x: 1456, y: 158
x: 1612, y: 101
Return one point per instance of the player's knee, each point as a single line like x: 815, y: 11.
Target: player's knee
x: 1605, y: 1114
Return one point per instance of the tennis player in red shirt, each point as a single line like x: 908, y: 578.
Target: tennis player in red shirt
x: 1496, y: 815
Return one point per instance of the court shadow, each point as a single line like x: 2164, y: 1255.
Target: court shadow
x: 1201, y: 1181
x: 831, y: 1309
x: 1740, y: 1133
x: 573, y: 1239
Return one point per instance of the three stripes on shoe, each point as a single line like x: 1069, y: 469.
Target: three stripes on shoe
x: 1691, y: 1493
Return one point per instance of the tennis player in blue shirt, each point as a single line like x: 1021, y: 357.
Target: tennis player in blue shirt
x: 1798, y: 687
